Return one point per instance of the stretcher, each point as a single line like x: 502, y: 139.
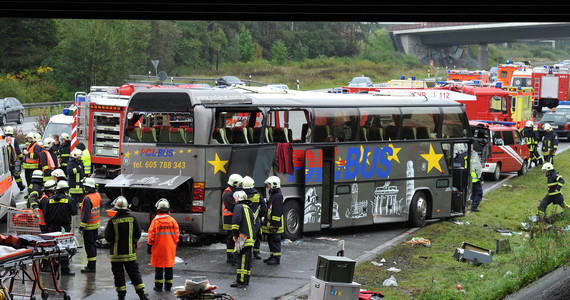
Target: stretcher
x: 20, y: 258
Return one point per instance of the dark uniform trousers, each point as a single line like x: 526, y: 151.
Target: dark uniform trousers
x: 132, y: 269
x: 244, y: 264
x: 89, y: 240
x: 274, y: 243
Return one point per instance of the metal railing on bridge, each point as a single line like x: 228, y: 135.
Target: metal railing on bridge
x: 433, y: 25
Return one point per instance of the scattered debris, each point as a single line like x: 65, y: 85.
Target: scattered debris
x: 383, y: 260
x: 481, y: 276
x: 525, y: 226
x: 474, y: 254
x: 392, y: 269
x: 503, y: 246
x: 178, y: 260
x: 418, y: 240
x: 390, y: 282
x: 457, y: 222
x: 326, y: 238
x: 459, y: 287
x: 504, y: 231
x: 533, y: 219
x: 426, y: 257
x: 377, y: 263
x: 508, y: 273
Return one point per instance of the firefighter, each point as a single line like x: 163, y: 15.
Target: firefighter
x: 31, y: 158
x: 123, y: 232
x: 58, y: 213
x: 75, y: 175
x: 64, y: 151
x: 228, y: 203
x: 48, y: 191
x: 35, y: 190
x: 476, y: 175
x: 163, y: 235
x: 48, y: 159
x: 258, y: 207
x: 549, y: 144
x: 273, y: 226
x: 17, y: 152
x: 9, y: 132
x: 243, y: 235
x: 58, y: 175
x: 530, y: 134
x: 90, y: 221
x: 56, y: 144
x: 14, y: 165
x: 85, y: 158
x: 555, y: 183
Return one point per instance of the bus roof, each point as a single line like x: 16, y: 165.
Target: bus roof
x: 165, y: 99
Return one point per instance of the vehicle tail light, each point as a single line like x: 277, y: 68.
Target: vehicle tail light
x: 566, y: 126
x: 198, y: 197
x: 539, y: 126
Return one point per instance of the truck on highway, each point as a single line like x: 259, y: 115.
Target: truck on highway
x: 550, y: 85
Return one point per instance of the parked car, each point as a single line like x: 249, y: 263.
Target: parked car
x: 563, y: 108
x: 228, y: 81
x: 279, y: 86
x: 361, y: 82
x: 11, y: 110
x: 501, y: 148
x: 560, y: 122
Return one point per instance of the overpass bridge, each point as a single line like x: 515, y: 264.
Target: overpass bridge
x: 447, y: 44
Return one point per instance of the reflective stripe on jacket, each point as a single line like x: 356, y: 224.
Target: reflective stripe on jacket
x: 123, y: 232
x: 242, y: 224
x: 32, y: 159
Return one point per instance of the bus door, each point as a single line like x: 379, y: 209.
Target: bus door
x: 318, y: 186
x: 254, y: 161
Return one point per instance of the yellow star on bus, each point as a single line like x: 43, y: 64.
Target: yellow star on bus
x: 394, y: 155
x: 128, y: 154
x: 218, y: 164
x: 432, y: 159
x: 341, y: 163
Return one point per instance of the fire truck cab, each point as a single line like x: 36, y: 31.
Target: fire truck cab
x: 550, y: 85
x: 466, y: 75
x: 505, y: 71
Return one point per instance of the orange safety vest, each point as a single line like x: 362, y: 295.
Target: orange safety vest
x: 225, y: 210
x: 51, y: 163
x: 30, y: 163
x: 95, y: 216
x: 41, y: 218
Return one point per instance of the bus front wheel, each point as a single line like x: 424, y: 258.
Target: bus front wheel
x: 292, y: 219
x: 418, y: 210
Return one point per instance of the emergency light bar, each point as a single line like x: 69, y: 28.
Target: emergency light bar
x: 95, y: 106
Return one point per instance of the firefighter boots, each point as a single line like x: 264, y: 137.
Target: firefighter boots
x: 157, y: 287
x: 238, y: 284
x: 121, y: 295
x: 256, y: 255
x: 142, y: 295
x: 90, y: 268
x: 273, y: 260
x: 231, y: 259
x: 167, y: 286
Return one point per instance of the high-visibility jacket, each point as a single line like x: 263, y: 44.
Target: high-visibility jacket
x: 11, y: 158
x: 75, y: 175
x: 555, y: 182
x: 549, y: 142
x: 48, y: 163
x: 63, y: 154
x: 123, y: 232
x: 163, y: 235
x: 41, y: 206
x: 274, y: 212
x: 530, y: 134
x: 258, y: 206
x: 91, y: 211
x: 242, y: 224
x: 86, y: 159
x: 32, y: 159
x: 228, y: 204
x: 34, y: 193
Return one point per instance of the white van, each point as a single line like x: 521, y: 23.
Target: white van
x: 58, y: 124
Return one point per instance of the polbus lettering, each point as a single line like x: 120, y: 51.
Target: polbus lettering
x: 381, y: 164
x: 165, y: 153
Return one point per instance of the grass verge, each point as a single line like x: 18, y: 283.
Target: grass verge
x: 535, y: 251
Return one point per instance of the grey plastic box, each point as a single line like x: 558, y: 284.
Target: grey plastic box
x: 324, y: 290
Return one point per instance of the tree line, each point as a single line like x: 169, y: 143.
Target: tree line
x: 74, y: 54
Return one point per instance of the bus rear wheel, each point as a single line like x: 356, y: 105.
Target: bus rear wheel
x: 292, y: 220
x: 418, y: 210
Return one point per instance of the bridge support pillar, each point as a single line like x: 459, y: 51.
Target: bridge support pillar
x: 483, y: 62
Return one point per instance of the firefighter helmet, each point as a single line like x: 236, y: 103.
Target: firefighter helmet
x: 547, y: 167
x: 37, y: 137
x: 58, y: 173
x: 30, y: 135
x: 64, y: 136
x: 50, y: 185
x: 274, y: 181
x: 9, y: 130
x: 38, y: 174
x: 62, y: 185
x: 240, y: 196
x: 162, y: 204
x: 120, y: 203
x: 248, y: 182
x: 48, y: 143
x: 235, y: 180
x: 89, y: 182
x: 529, y: 123
x: 76, y: 153
x: 547, y: 127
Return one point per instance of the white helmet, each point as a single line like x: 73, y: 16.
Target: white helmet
x: 240, y: 196
x: 120, y: 203
x: 162, y: 204
x: 274, y: 181
x: 58, y: 173
x: 89, y: 182
x: 50, y: 185
x: 30, y: 135
x: 38, y: 174
x: 547, y: 127
x: 64, y: 136
x: 529, y: 123
x: 547, y: 167
x: 48, y: 142
x: 76, y: 153
x: 9, y: 130
x: 37, y: 137
x: 62, y: 185
x: 247, y: 183
x: 235, y: 180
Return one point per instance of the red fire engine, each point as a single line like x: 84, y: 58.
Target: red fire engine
x: 465, y: 75
x: 550, y: 86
